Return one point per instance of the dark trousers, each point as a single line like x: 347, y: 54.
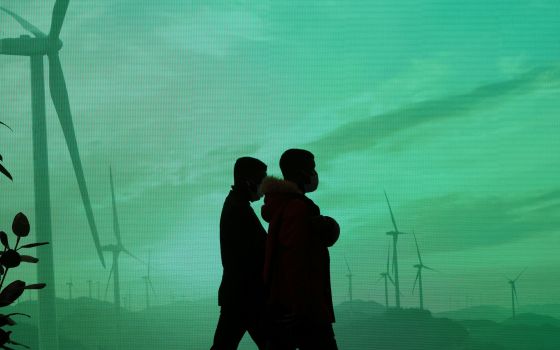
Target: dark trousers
x: 233, y: 324
x: 302, y: 335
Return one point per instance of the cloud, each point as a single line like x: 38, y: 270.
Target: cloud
x: 366, y: 133
x: 459, y: 221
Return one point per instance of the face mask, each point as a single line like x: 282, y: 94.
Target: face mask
x: 312, y: 184
x: 255, y: 192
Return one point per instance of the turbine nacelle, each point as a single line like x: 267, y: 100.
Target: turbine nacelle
x: 27, y: 46
x: 395, y: 233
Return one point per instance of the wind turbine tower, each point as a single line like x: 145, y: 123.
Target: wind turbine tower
x: 148, y: 284
x: 395, y: 235
x: 115, y: 249
x: 387, y: 277
x: 89, y: 288
x: 70, y: 285
x: 418, y: 279
x: 36, y: 48
x: 349, y: 275
x: 514, y: 299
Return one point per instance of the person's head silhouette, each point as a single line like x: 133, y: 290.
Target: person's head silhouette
x: 298, y: 166
x: 248, y: 174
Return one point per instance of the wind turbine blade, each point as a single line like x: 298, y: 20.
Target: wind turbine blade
x: 347, y: 266
x: 151, y: 286
x: 391, y: 279
x: 380, y: 278
x: 116, y: 227
x: 417, y: 249
x: 391, y: 211
x: 59, y: 96
x: 429, y: 268
x: 132, y: 255
x: 416, y: 280
x: 520, y: 274
x: 59, y: 12
x: 388, y: 257
x: 108, y: 280
x: 149, y: 262
x: 25, y: 24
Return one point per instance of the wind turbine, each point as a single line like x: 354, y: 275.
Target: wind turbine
x: 89, y: 288
x: 514, y: 291
x: 70, y: 285
x: 395, y: 235
x: 386, y: 276
x: 148, y: 284
x: 349, y: 275
x: 115, y: 249
x: 418, y: 279
x: 35, y: 48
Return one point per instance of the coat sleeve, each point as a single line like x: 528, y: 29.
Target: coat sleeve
x: 326, y: 228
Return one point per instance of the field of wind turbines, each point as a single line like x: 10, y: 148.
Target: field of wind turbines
x: 435, y: 141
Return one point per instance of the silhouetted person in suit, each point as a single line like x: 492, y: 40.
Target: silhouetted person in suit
x: 297, y: 263
x: 242, y: 246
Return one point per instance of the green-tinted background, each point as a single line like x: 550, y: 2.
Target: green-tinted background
x: 452, y: 107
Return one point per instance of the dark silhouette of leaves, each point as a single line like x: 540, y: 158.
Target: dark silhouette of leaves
x: 7, y: 320
x: 20, y: 226
x: 12, y: 291
x: 31, y: 245
x: 5, y: 171
x: 36, y: 286
x: 1, y: 123
x: 29, y: 259
x: 4, y: 239
x: 10, y: 258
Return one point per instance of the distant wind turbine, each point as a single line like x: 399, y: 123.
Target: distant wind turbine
x: 115, y: 249
x: 35, y: 48
x: 89, y: 288
x: 148, y: 284
x: 514, y: 299
x: 387, y: 277
x: 418, y: 279
x: 70, y: 285
x: 349, y: 275
x: 395, y: 235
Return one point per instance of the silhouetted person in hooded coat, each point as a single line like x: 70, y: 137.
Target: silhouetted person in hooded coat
x: 297, y: 263
x: 242, y: 246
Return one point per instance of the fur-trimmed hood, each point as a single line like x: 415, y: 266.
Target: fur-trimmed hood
x: 278, y: 194
x: 271, y: 184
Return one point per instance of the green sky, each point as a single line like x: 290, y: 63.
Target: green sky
x: 451, y: 108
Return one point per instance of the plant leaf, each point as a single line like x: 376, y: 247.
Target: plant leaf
x: 31, y: 245
x: 11, y: 292
x: 6, y: 125
x: 29, y: 259
x: 20, y: 226
x: 4, y: 239
x: 36, y: 286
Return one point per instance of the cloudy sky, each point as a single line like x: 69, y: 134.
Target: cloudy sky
x: 452, y: 108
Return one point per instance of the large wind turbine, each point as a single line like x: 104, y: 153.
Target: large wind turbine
x: 148, y: 284
x: 387, y: 276
x: 514, y: 299
x: 418, y: 279
x: 395, y: 235
x: 349, y: 275
x: 115, y: 249
x: 35, y: 48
